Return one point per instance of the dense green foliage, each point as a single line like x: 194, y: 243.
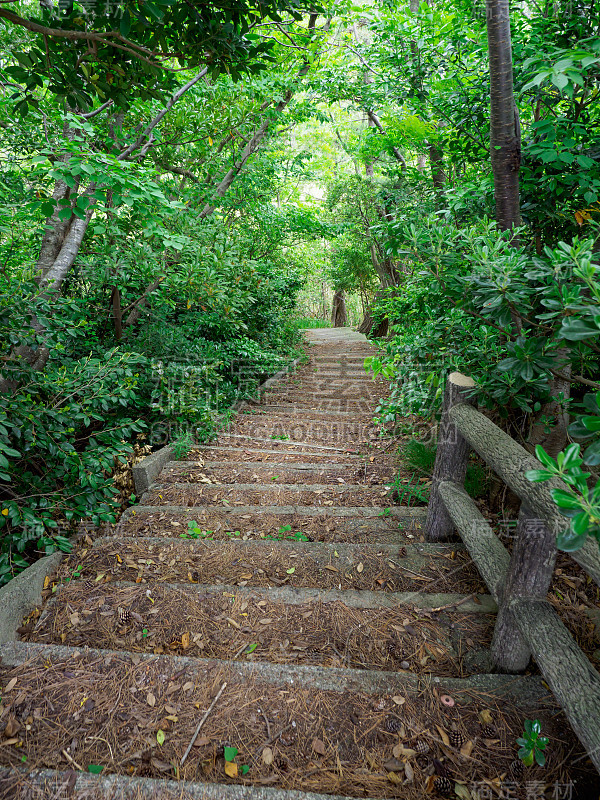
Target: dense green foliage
x: 181, y: 175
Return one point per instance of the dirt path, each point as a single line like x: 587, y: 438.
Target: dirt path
x: 271, y: 565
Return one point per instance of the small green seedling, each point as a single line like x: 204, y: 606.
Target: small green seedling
x: 531, y: 744
x: 385, y: 513
x: 285, y: 532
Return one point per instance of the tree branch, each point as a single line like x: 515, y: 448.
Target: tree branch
x: 153, y: 123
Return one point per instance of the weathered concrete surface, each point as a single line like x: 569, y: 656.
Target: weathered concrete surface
x: 147, y: 470
x: 119, y: 787
x: 290, y: 595
x: 22, y: 594
x: 524, y: 690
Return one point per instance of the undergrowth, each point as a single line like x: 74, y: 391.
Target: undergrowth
x: 420, y: 458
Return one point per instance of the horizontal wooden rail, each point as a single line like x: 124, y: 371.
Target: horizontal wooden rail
x: 571, y: 677
x: 573, y: 680
x: 486, y: 550
x: 510, y: 461
x: 526, y: 625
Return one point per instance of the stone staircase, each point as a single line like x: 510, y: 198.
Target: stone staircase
x: 269, y: 581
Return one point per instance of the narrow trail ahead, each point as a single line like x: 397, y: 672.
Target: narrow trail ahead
x: 274, y: 563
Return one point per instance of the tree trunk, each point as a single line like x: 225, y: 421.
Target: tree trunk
x: 339, y: 316
x: 117, y: 313
x: 505, y: 135
x: 555, y: 412
x: 369, y: 327
x: 438, y: 173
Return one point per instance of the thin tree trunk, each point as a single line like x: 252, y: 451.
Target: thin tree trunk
x: 505, y: 135
x: 339, y: 315
x: 438, y: 173
x: 139, y: 305
x: 117, y: 313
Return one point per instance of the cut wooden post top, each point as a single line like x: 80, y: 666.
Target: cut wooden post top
x: 458, y: 379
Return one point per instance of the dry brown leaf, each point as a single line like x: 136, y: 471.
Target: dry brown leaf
x: 485, y: 716
x: 460, y: 790
x: 318, y: 746
x: 231, y: 769
x: 409, y: 772
x: 393, y: 765
x: 466, y: 749
x: 400, y: 751
x: 235, y: 624
x: 12, y: 726
x: 360, y: 567
x: 150, y: 699
x: 11, y: 685
x: 201, y: 741
x: 393, y: 778
x: 187, y: 687
x: 185, y: 641
x: 443, y: 736
x: 267, y: 756
x: 399, y: 700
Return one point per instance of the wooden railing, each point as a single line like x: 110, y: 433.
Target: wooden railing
x: 527, y: 624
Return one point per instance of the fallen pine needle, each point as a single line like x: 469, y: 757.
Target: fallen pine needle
x: 202, y: 721
x: 71, y: 760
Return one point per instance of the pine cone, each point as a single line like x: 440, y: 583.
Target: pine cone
x: 124, y: 616
x: 90, y: 585
x: 393, y: 725
x: 443, y: 786
x: 421, y: 746
x: 517, y: 769
x: 489, y: 732
x: 456, y: 739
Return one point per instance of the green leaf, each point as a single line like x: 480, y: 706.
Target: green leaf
x: 568, y: 541
x: 565, y: 499
x: 538, y: 475
x: 125, y: 24
x: 251, y: 647
x: 95, y: 769
x: 160, y: 736
x: 542, y: 456
x: 230, y: 753
x: 244, y: 769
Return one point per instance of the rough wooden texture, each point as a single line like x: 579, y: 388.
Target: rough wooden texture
x: 571, y: 677
x: 486, y: 550
x: 511, y: 461
x: 529, y: 575
x: 451, y: 458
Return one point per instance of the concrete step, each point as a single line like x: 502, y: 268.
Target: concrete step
x: 257, y: 562
x: 285, y: 626
x: 274, y: 452
x: 300, y: 446
x: 275, y: 412
x: 355, y: 494
x: 276, y: 473
x: 335, y: 432
x: 330, y: 524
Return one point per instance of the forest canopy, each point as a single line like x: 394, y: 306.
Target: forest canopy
x: 180, y: 181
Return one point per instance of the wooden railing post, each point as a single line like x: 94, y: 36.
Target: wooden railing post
x: 528, y: 577
x: 451, y: 458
